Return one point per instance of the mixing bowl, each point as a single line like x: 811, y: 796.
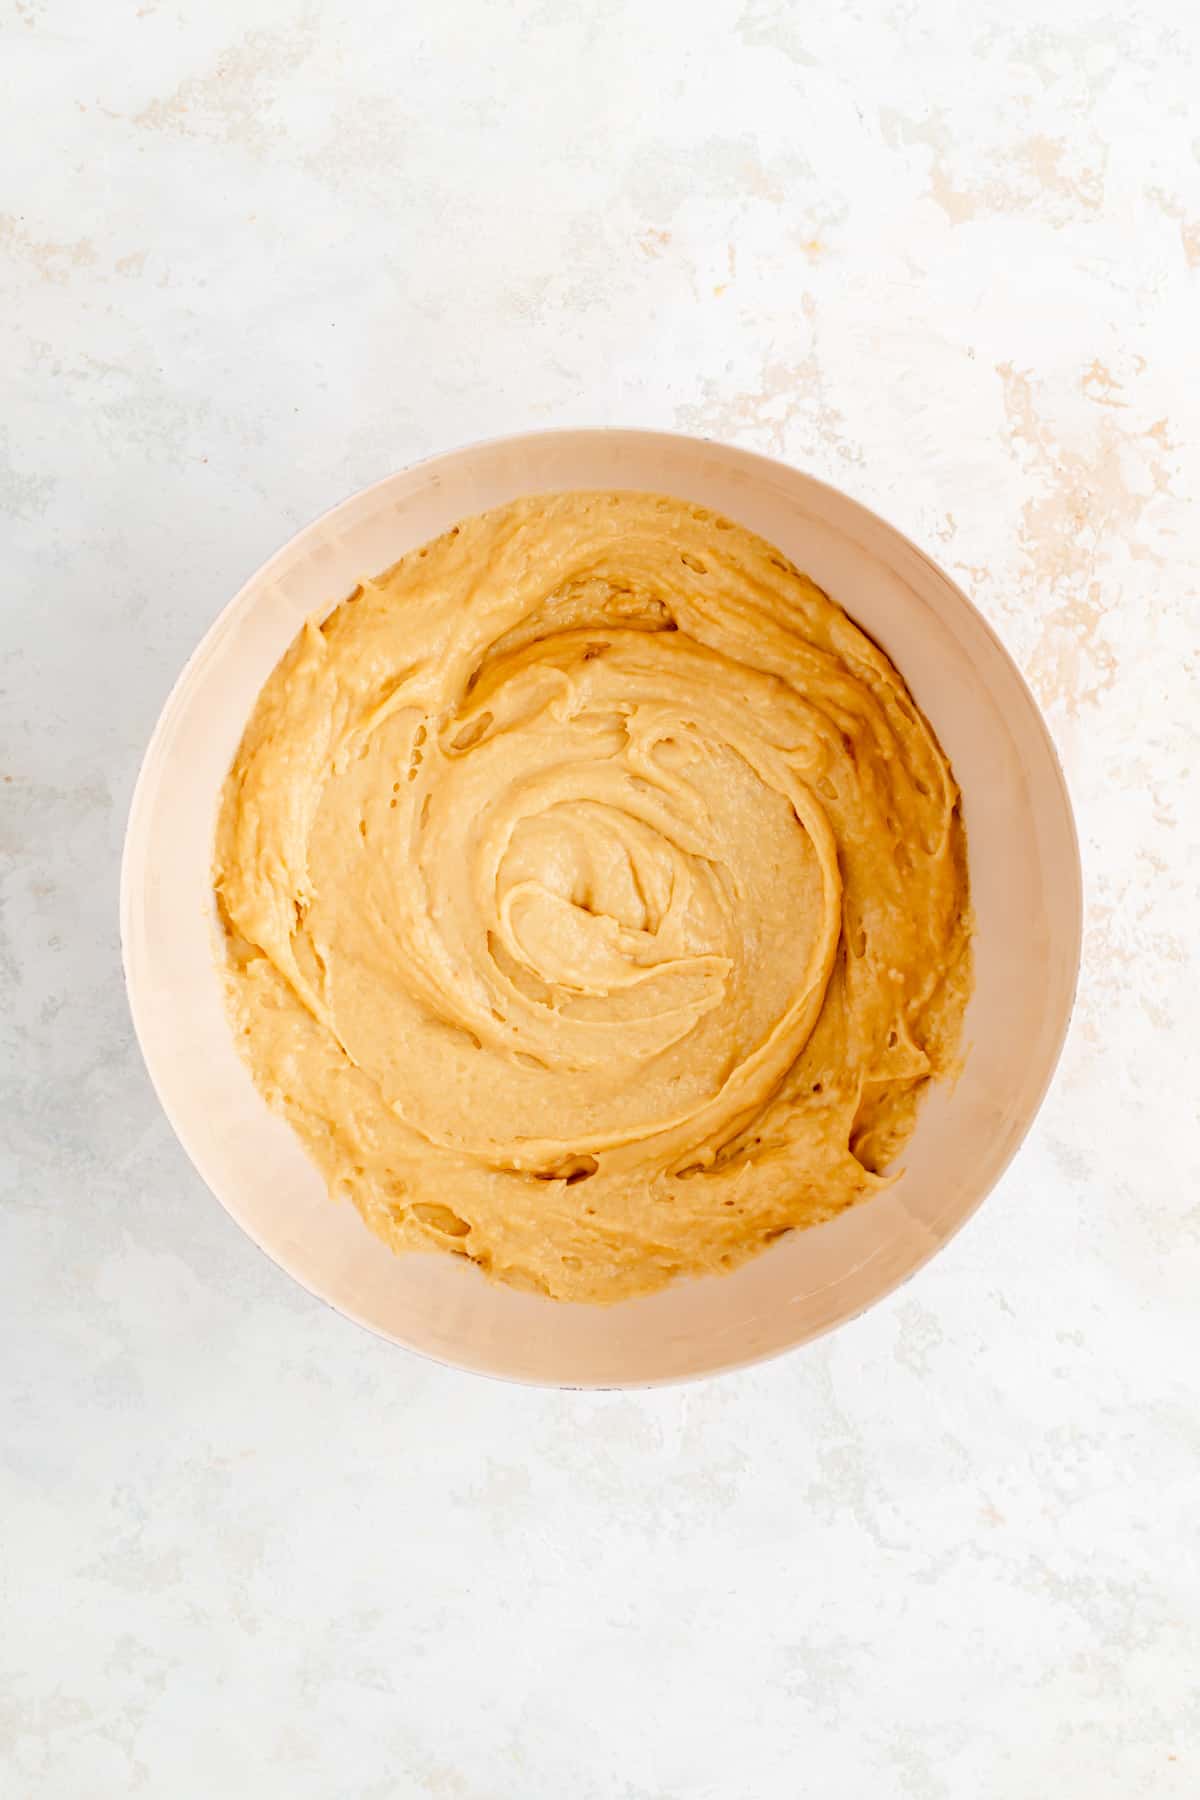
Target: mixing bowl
x: 1025, y: 884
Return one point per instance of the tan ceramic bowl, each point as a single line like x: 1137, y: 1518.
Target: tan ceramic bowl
x: 1024, y: 873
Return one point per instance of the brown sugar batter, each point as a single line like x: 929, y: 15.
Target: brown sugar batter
x: 595, y: 897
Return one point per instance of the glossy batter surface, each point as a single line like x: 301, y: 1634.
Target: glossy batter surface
x: 595, y: 897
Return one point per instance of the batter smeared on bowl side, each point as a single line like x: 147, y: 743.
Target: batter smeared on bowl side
x: 595, y: 897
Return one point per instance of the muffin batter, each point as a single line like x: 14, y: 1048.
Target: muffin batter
x: 595, y: 897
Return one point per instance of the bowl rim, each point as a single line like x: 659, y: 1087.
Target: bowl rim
x: 751, y: 460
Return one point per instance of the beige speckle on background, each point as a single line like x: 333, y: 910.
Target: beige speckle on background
x: 257, y: 253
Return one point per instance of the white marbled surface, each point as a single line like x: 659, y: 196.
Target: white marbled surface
x: 257, y: 254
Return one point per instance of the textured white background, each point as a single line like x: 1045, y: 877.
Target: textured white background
x: 258, y: 253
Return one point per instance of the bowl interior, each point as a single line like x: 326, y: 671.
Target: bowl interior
x: 1025, y: 883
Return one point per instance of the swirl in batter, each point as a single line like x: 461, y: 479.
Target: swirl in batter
x: 595, y: 897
